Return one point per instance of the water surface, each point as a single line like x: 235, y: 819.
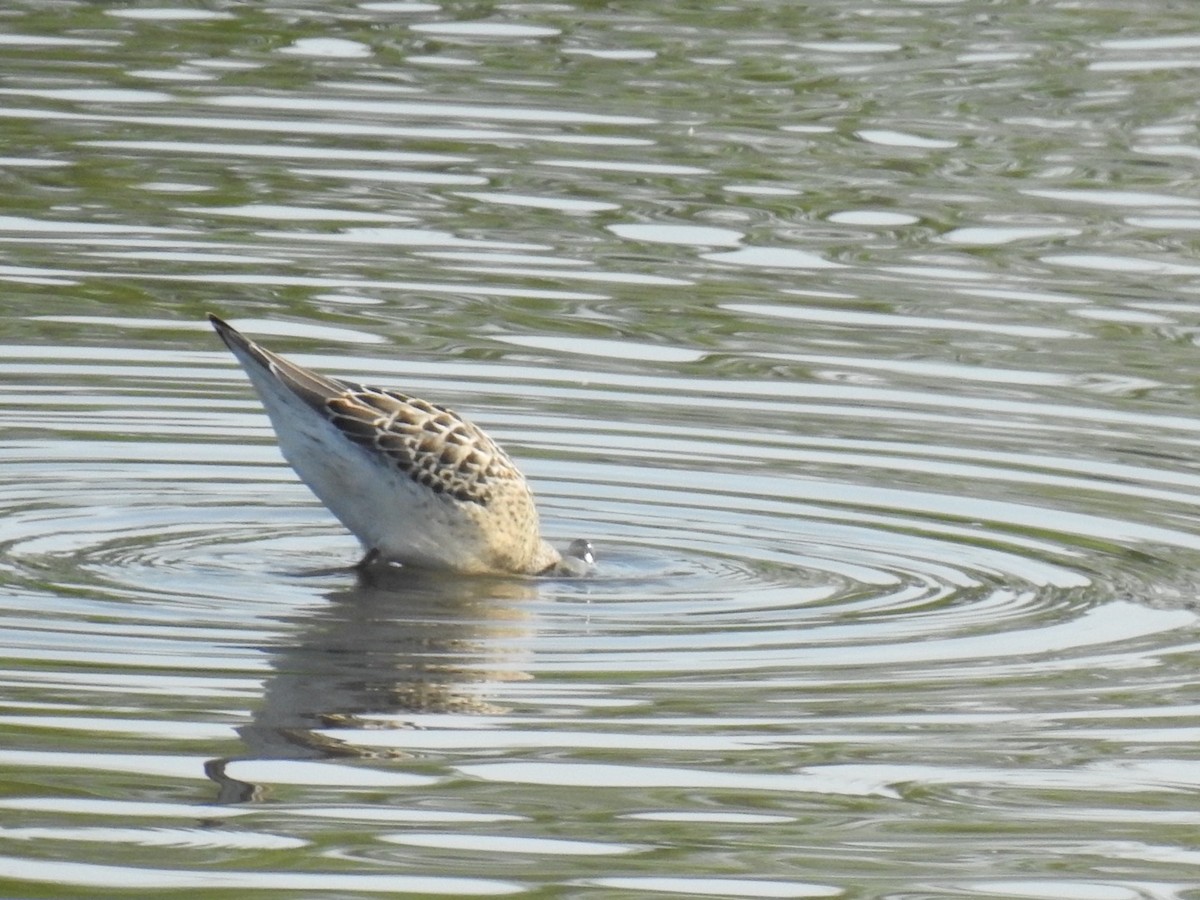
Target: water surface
x: 860, y: 337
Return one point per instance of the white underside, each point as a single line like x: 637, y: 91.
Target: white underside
x: 384, y: 508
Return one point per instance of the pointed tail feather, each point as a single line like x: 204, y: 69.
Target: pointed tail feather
x: 314, y: 389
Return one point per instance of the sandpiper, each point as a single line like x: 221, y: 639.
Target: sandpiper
x: 415, y: 482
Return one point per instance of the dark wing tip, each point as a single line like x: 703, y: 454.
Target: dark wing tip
x: 217, y: 322
x: 223, y: 328
x: 230, y: 335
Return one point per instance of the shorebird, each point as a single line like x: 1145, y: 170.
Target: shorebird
x: 415, y: 482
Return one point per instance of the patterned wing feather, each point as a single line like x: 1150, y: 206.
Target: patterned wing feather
x: 432, y: 445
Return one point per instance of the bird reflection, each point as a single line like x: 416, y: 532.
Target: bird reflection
x: 398, y: 641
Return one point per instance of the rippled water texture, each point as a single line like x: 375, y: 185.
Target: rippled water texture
x: 859, y: 337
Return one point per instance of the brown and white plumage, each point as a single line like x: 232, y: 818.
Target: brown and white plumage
x: 415, y: 482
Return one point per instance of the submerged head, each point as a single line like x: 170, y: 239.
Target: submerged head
x: 582, y: 548
x: 578, y: 559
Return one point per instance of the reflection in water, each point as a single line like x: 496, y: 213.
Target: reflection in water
x: 400, y: 640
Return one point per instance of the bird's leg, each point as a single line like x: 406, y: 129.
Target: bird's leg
x: 371, y: 557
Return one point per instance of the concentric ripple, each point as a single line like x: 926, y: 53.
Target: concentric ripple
x: 736, y: 531
x: 813, y: 593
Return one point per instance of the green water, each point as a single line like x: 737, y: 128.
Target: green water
x: 859, y: 337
